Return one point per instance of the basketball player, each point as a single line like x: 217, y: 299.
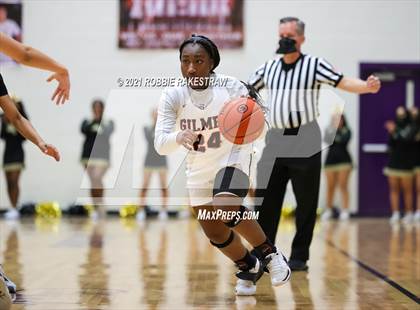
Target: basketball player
x: 217, y: 172
x: 13, y: 159
x: 5, y: 299
x: 29, y: 56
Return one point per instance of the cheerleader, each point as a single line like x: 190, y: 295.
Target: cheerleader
x: 399, y: 169
x: 415, y: 119
x: 338, y: 165
x: 96, y: 153
x: 153, y: 164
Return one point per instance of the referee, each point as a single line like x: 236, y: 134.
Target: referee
x: 293, y: 143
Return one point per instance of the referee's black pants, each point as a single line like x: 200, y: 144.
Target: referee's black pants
x: 294, y: 155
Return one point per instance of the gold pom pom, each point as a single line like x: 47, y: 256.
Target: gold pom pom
x: 48, y: 210
x: 128, y: 210
x: 287, y: 210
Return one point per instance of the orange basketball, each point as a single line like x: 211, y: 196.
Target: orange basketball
x: 241, y: 121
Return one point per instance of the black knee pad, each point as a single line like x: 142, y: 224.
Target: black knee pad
x: 231, y: 180
x: 226, y: 243
x: 237, y: 219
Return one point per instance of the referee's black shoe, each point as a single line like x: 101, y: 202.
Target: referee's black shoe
x: 297, y: 265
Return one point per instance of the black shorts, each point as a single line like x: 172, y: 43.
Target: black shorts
x: 231, y: 180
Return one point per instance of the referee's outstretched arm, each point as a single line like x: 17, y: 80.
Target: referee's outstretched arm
x: 354, y: 85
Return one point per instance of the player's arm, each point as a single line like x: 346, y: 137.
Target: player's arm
x: 24, y: 127
x: 166, y: 139
x: 358, y: 86
x: 30, y: 56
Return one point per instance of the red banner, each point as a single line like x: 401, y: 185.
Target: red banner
x: 150, y: 24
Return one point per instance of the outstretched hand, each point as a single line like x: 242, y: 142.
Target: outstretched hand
x: 62, y: 92
x: 50, y: 150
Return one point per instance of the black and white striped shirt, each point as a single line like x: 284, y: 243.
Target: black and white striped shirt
x: 293, y: 89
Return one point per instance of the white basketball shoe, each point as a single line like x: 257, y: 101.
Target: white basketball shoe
x: 5, y: 299
x: 10, y: 285
x: 245, y: 285
x: 278, y: 268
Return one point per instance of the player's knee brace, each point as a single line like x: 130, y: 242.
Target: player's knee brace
x: 237, y: 219
x: 231, y: 180
x: 226, y: 243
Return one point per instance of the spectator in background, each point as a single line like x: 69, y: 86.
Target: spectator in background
x: 13, y: 159
x: 153, y: 163
x: 415, y: 118
x: 400, y: 165
x: 10, y: 28
x: 338, y: 165
x: 96, y: 153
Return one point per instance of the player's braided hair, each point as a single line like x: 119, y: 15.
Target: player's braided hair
x: 254, y: 94
x: 207, y: 44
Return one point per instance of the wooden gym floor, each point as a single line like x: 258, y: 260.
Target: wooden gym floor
x: 120, y: 264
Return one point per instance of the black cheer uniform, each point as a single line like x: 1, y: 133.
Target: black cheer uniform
x: 96, y: 148
x: 338, y: 157
x: 400, y: 148
x: 416, y: 146
x: 153, y: 160
x: 14, y: 156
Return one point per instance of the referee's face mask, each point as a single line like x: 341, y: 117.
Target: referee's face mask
x: 286, y: 46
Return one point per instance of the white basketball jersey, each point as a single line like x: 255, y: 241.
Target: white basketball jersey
x: 198, y: 110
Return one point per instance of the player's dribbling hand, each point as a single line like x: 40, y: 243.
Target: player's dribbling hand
x: 50, y: 150
x: 373, y: 83
x: 62, y: 92
x: 186, y: 138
